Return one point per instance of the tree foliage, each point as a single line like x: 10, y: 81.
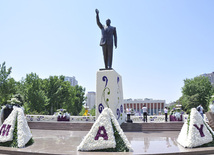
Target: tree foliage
x: 48, y: 95
x: 7, y: 84
x: 196, y: 91
x: 93, y: 111
x: 41, y: 96
x: 35, y: 97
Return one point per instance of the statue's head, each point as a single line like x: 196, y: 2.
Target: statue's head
x: 108, y: 22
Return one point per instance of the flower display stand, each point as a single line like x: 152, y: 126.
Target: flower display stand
x: 110, y: 93
x: 14, y: 131
x: 105, y: 135
x: 195, y: 131
x: 174, y: 118
x: 63, y: 118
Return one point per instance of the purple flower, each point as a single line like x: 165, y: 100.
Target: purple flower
x: 99, y: 134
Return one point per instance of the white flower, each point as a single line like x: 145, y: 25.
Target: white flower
x: 177, y: 115
x: 23, y: 130
x: 104, y: 120
x: 196, y: 134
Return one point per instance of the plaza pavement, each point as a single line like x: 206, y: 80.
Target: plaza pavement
x: 65, y: 142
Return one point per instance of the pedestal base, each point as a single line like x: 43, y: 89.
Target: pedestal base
x: 110, y: 93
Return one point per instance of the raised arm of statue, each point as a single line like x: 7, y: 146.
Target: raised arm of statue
x: 115, y: 37
x: 98, y: 19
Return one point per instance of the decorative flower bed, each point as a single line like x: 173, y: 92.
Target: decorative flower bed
x: 176, y: 114
x: 15, y: 132
x: 105, y: 135
x: 62, y: 115
x: 195, y: 131
x: 53, y: 118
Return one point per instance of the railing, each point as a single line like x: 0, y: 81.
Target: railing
x: 135, y: 119
x: 153, y: 119
x: 45, y: 118
x: 84, y: 119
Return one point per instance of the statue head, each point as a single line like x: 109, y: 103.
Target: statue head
x: 108, y: 22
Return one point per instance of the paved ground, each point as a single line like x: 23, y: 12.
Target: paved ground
x: 66, y: 142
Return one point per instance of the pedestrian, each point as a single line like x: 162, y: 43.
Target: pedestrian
x: 201, y: 110
x: 166, y: 112
x: 144, y: 113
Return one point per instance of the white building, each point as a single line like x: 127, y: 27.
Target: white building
x: 91, y: 99
x: 72, y: 80
x: 154, y: 107
x: 210, y: 76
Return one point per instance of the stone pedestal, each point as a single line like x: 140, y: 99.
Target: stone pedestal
x: 109, y: 93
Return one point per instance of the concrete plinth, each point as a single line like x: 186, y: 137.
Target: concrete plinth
x: 109, y: 93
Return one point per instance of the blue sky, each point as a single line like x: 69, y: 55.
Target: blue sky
x: 160, y: 43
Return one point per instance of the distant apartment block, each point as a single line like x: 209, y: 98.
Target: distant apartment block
x: 72, y: 80
x: 210, y: 76
x: 91, y: 99
x: 154, y: 107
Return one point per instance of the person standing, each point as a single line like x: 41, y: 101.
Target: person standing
x: 201, y: 110
x: 144, y: 113
x: 166, y: 112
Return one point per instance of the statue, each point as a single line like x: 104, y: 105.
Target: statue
x: 108, y: 32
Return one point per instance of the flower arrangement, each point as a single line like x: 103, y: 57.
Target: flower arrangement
x: 7, y: 109
x: 105, y: 135
x: 177, y: 112
x: 195, y: 132
x: 15, y: 131
x: 14, y: 101
x: 63, y: 115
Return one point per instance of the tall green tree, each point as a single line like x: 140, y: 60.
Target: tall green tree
x: 78, y: 99
x: 196, y: 91
x: 62, y: 95
x: 7, y: 84
x: 35, y: 97
x: 67, y: 96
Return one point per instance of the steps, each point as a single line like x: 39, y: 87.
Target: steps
x: 60, y: 126
x: 127, y: 127
x: 135, y: 127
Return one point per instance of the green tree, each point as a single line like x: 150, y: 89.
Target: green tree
x: 78, y: 99
x: 62, y: 95
x: 196, y: 91
x: 7, y: 84
x: 35, y: 98
x: 53, y: 89
x: 82, y: 111
x: 93, y: 111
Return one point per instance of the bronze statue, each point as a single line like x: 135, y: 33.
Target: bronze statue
x: 108, y: 32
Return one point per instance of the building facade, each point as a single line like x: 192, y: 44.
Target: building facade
x: 154, y: 107
x: 72, y: 80
x: 91, y: 99
x: 210, y: 76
